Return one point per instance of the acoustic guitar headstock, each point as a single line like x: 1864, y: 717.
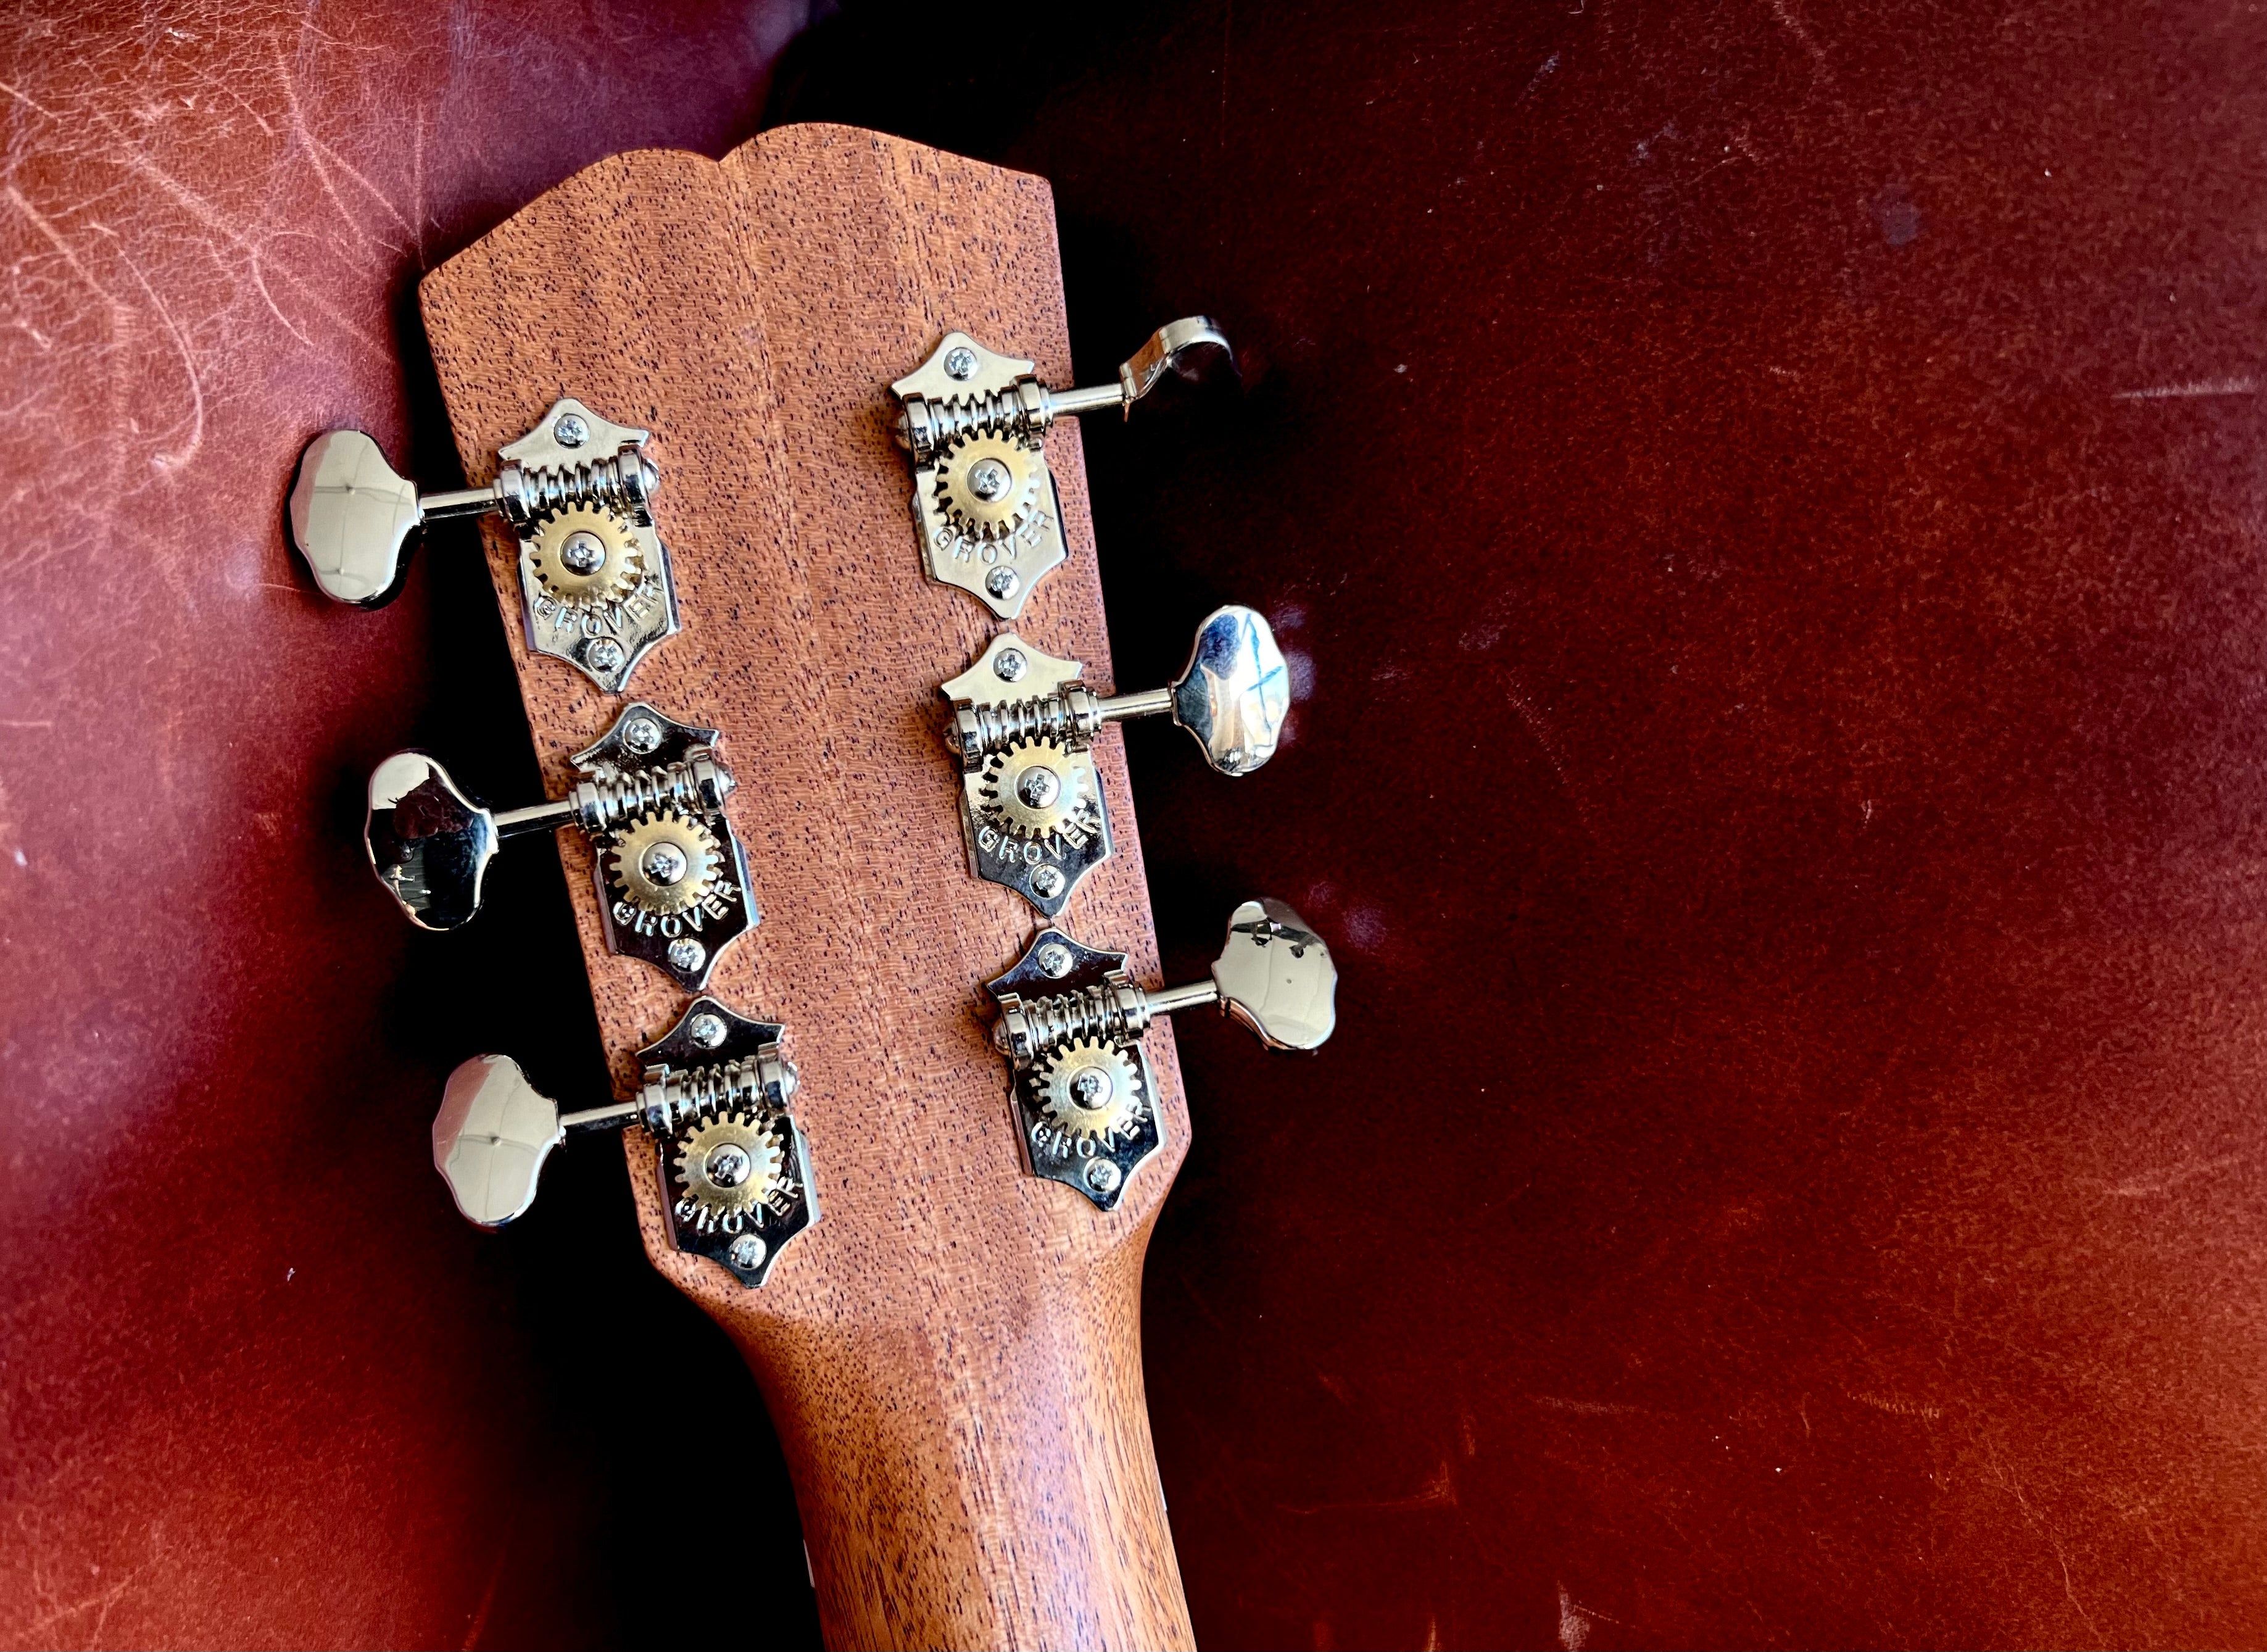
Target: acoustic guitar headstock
x: 768, y: 451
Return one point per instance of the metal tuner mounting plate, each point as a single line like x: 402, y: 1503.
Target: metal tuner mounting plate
x: 1031, y: 804
x: 672, y: 879
x: 975, y: 422
x: 1071, y: 1021
x: 734, y: 1166
x: 594, y: 577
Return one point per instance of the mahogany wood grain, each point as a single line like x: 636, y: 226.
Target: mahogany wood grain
x: 952, y: 1354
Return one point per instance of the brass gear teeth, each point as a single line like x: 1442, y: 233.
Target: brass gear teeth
x: 1000, y: 516
x: 1000, y: 787
x: 698, y: 1163
x: 626, y: 869
x: 1115, y: 1112
x: 612, y: 579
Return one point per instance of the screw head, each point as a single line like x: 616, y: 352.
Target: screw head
x: 583, y: 551
x: 1009, y: 665
x: 1104, y: 1176
x: 729, y: 1165
x: 707, y: 1029
x: 1038, y: 786
x: 960, y: 362
x: 604, y: 654
x: 1047, y: 882
x: 642, y: 735
x: 1055, y: 961
x: 988, y: 480
x: 1089, y: 1087
x: 748, y: 1251
x: 1002, y: 583
x: 686, y: 954
x: 666, y: 864
x: 570, y: 431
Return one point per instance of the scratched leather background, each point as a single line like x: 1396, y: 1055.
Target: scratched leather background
x: 1768, y: 506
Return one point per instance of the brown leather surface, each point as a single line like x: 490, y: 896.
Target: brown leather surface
x: 1770, y: 498
x: 1771, y: 504
x: 261, y: 1385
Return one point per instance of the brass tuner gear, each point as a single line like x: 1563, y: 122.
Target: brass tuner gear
x: 1091, y: 1089
x: 586, y: 558
x: 989, y: 485
x: 665, y: 863
x: 729, y: 1164
x: 1032, y: 788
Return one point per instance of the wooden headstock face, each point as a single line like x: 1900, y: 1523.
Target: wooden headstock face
x: 951, y: 1352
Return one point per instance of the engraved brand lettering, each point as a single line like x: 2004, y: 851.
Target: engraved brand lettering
x: 966, y: 547
x: 1059, y: 1146
x: 622, y: 617
x: 717, y: 904
x: 1010, y: 850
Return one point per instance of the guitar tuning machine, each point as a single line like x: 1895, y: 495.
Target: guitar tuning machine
x: 1031, y: 808
x: 975, y: 423
x: 672, y: 879
x: 734, y: 1165
x: 595, y: 584
x: 1071, y: 1021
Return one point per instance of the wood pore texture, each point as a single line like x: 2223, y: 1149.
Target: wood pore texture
x: 952, y: 1353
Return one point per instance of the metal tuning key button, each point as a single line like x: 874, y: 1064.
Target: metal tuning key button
x: 1071, y: 1021
x: 975, y: 423
x: 594, y: 578
x: 734, y: 1165
x: 672, y: 879
x: 1031, y: 807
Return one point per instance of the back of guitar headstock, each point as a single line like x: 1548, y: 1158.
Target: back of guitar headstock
x: 951, y: 1350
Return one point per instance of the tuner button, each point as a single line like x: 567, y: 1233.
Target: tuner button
x: 651, y: 802
x: 429, y: 844
x: 594, y: 578
x: 1193, y: 348
x: 1235, y: 690
x: 490, y: 1138
x: 350, y: 516
x: 1276, y: 977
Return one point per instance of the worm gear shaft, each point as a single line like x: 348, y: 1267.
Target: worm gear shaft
x: 665, y: 863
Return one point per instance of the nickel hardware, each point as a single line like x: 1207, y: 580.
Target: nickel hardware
x: 595, y: 584
x: 1071, y: 1021
x: 672, y: 879
x: 734, y: 1167
x: 1023, y: 723
x: 975, y: 423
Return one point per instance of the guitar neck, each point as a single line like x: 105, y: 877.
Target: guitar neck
x: 952, y: 1355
